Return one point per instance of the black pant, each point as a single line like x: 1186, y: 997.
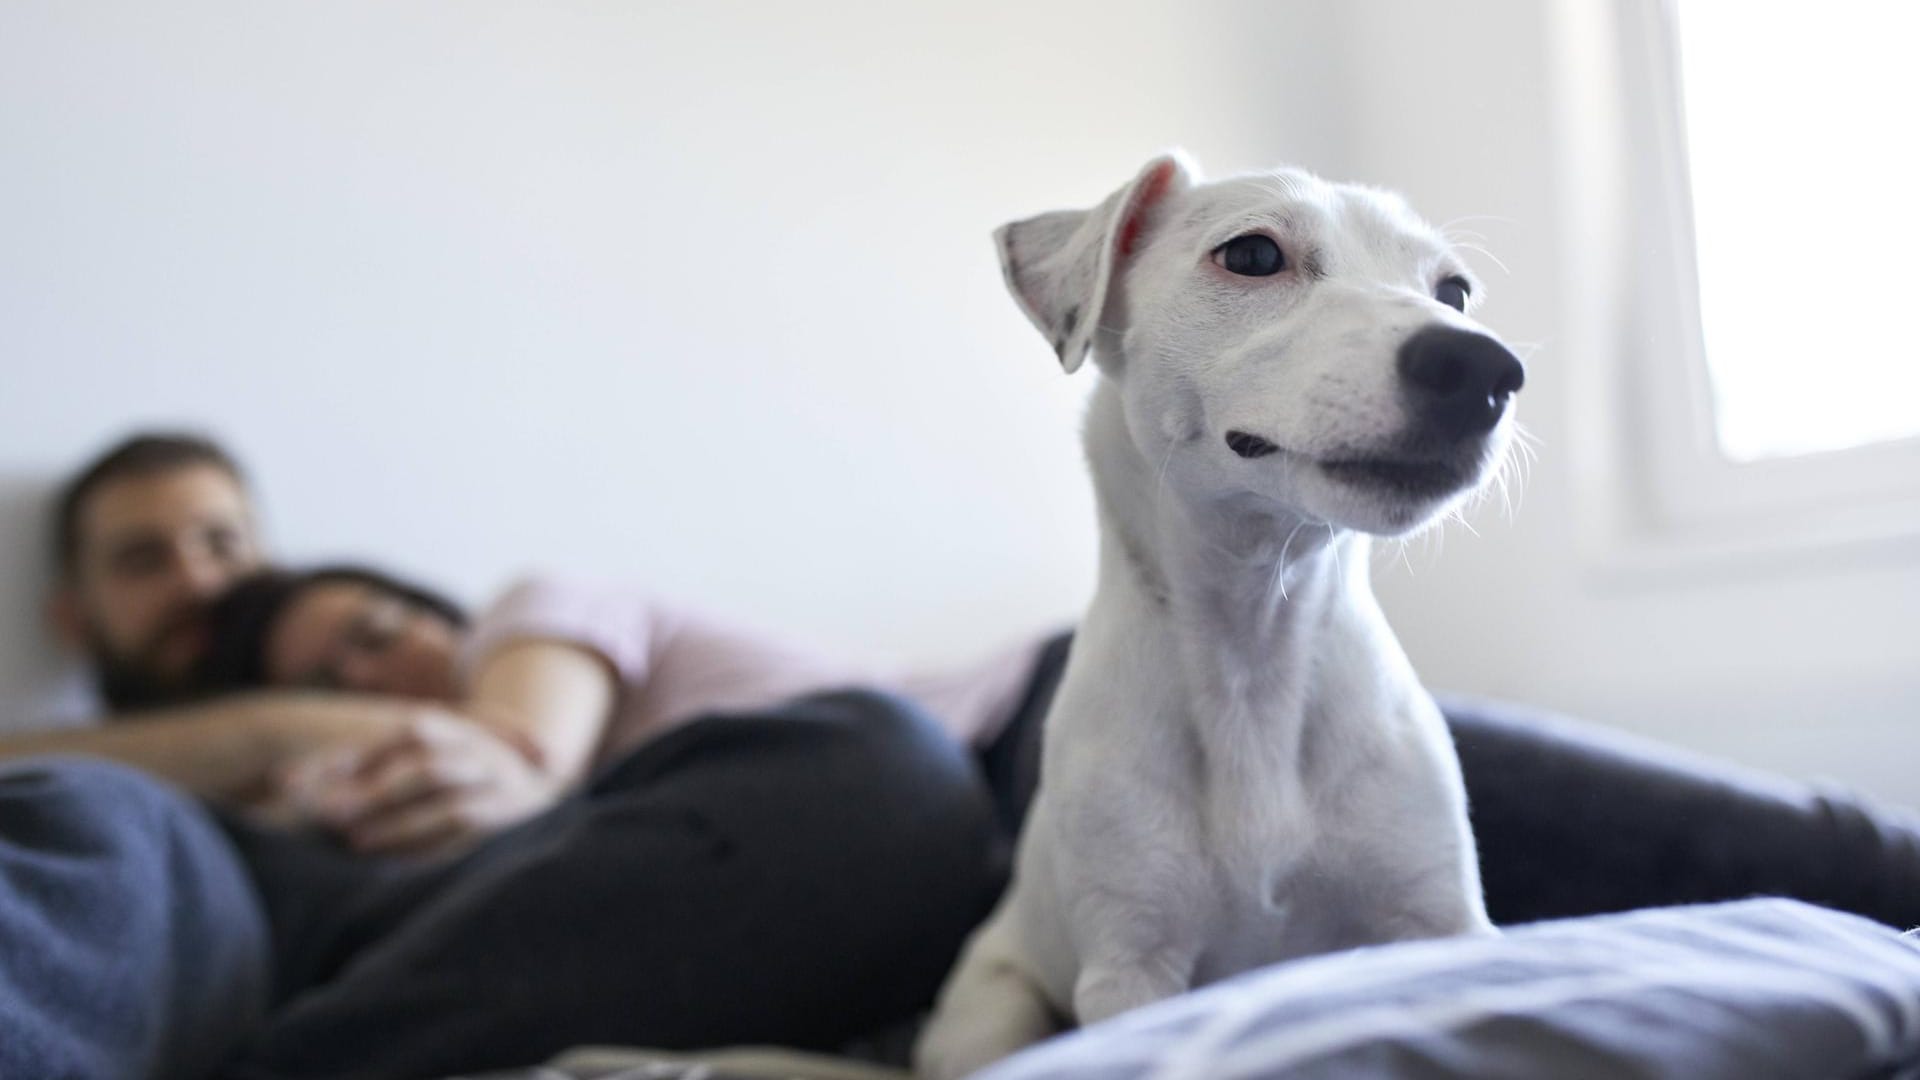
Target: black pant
x: 1572, y: 820
x: 799, y: 876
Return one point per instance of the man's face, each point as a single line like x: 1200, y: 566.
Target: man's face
x: 152, y: 551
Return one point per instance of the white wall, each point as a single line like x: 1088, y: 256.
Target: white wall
x: 696, y: 294
x: 701, y: 295
x: 1809, y: 666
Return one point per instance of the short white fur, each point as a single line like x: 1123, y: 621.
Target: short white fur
x: 1240, y: 766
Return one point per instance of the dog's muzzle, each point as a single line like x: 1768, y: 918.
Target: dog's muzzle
x: 1458, y: 383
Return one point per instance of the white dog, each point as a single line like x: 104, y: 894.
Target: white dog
x: 1240, y: 766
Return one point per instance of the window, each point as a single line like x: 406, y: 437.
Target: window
x: 1742, y: 244
x: 1804, y: 173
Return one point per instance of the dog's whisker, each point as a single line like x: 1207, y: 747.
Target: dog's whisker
x: 1276, y: 593
x: 1482, y: 250
x: 1495, y: 218
x: 1280, y: 571
x: 1522, y: 450
x: 1521, y: 456
x: 1160, y: 481
x: 1465, y: 239
x: 1456, y: 515
x: 1506, y: 476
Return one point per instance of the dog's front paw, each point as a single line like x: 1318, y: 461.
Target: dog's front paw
x: 956, y: 1047
x: 988, y: 1011
x: 1101, y: 992
x: 939, y: 1059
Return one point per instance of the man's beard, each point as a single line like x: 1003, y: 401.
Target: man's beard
x: 130, y: 680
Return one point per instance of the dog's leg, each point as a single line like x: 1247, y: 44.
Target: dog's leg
x: 990, y: 1008
x: 1431, y: 894
x: 1135, y: 951
x: 1423, y: 864
x: 1450, y: 906
x: 1111, y: 987
x: 1140, y: 883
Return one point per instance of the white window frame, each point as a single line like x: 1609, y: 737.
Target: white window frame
x: 1659, y: 493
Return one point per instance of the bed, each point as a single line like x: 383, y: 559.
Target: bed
x: 1749, y: 990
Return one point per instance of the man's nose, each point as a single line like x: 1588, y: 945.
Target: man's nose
x: 201, y: 574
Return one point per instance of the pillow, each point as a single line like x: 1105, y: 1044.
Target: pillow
x: 1758, y: 988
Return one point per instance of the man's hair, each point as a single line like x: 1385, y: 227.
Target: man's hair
x: 148, y: 453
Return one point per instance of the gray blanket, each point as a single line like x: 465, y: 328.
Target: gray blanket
x: 1744, y: 991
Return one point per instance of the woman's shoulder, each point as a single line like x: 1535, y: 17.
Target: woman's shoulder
x: 553, y: 593
x: 623, y: 621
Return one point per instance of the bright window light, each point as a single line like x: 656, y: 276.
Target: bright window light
x: 1806, y: 201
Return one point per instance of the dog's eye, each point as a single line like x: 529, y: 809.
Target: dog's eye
x: 1252, y: 255
x: 1453, y: 292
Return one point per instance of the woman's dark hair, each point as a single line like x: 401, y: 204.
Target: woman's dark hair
x: 240, y: 622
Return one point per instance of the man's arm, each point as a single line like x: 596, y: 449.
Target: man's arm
x: 228, y: 751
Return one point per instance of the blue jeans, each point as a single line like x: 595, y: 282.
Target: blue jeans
x: 131, y: 941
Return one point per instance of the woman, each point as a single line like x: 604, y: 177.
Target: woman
x: 699, y: 842
x: 549, y: 684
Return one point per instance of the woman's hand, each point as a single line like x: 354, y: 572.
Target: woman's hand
x: 442, y: 782
x: 394, y: 775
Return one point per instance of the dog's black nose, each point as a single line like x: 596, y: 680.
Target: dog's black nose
x: 1457, y: 380
x: 1249, y: 446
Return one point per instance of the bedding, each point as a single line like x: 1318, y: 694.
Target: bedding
x: 1750, y: 990
x: 751, y: 1063
x: 1741, y: 991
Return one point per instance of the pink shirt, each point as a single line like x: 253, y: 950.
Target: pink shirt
x: 674, y: 665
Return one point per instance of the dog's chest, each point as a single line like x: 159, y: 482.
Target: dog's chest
x: 1278, y: 830
x: 1272, y: 856
x: 1285, y: 887
x: 1257, y: 804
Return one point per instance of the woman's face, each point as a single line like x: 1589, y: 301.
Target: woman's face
x: 350, y: 636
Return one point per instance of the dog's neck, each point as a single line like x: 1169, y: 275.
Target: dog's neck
x: 1253, y: 581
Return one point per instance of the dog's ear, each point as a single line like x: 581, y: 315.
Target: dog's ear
x: 1059, y: 264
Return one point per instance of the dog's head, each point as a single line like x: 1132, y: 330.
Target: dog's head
x: 1279, y: 338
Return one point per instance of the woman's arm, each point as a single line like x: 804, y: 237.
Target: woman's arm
x: 543, y: 668
x: 551, y: 699
x: 528, y: 729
